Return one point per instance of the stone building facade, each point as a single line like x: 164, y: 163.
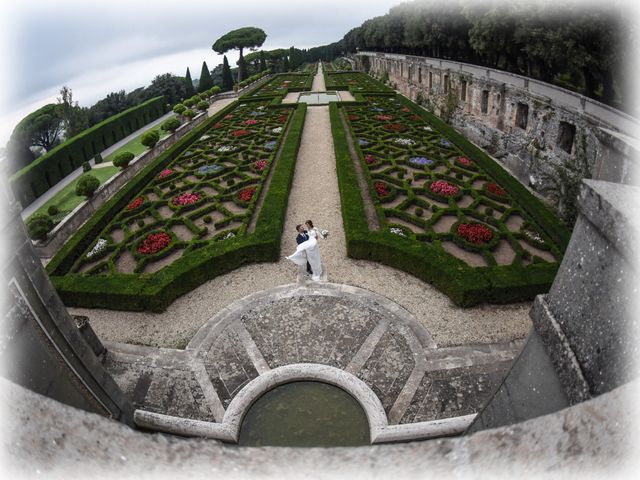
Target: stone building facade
x: 548, y: 137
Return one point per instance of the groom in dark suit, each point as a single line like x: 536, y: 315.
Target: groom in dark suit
x: 303, y: 236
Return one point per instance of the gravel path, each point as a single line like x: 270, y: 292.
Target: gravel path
x: 315, y: 196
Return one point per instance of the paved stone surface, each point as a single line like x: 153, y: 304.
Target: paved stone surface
x: 340, y: 326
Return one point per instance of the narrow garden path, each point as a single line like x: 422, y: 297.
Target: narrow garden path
x: 315, y: 196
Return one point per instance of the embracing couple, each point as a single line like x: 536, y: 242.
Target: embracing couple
x: 308, y: 251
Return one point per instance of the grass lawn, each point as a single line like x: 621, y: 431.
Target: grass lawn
x: 66, y: 199
x: 134, y: 146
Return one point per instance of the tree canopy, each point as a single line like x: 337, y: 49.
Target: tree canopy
x: 239, y: 39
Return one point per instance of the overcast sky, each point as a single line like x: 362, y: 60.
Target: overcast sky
x: 97, y: 46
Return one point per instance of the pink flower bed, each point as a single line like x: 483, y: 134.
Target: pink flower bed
x: 443, y: 188
x: 464, y: 161
x: 261, y: 165
x: 153, y: 243
x: 227, y: 117
x: 240, y: 133
x: 186, y: 198
x: 251, y: 121
x: 381, y: 189
x: 369, y: 159
x: 247, y: 194
x: 384, y: 118
x: 475, y: 233
x: 217, y: 125
x: 135, y: 203
x: 165, y: 173
x: 496, y: 189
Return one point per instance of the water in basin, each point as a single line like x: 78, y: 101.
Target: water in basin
x: 305, y: 414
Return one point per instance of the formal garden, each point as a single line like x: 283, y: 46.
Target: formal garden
x: 355, y: 82
x: 195, y: 208
x: 280, y: 85
x: 448, y: 213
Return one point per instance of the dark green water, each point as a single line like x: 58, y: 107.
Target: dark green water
x: 305, y: 414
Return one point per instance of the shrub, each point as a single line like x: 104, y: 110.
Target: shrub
x: 122, y: 159
x: 419, y: 212
x: 150, y: 138
x: 189, y: 113
x: 400, y: 175
x: 204, y: 96
x: 488, y: 211
x: 231, y: 182
x: 434, y: 208
x: 97, y: 159
x: 86, y: 166
x: 206, y: 219
x: 195, y: 99
x: 202, y: 105
x: 141, y: 222
x: 188, y: 103
x: 170, y: 125
x: 172, y: 187
x: 38, y: 226
x: 87, y: 185
x: 179, y: 108
x: 53, y: 210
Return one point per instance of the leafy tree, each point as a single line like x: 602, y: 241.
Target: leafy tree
x: 188, y: 113
x: 38, y: 226
x: 179, y: 108
x: 74, y: 118
x: 227, y: 79
x: 150, y: 138
x: 206, y: 82
x: 170, y: 125
x: 239, y: 39
x: 112, y: 104
x: 173, y: 88
x: 202, y: 105
x: 188, y: 84
x: 122, y: 160
x: 87, y: 184
x: 263, y: 62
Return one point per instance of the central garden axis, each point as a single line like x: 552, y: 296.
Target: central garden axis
x: 444, y: 211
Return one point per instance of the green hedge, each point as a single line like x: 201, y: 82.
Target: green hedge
x: 37, y: 178
x: 157, y: 291
x: 466, y: 286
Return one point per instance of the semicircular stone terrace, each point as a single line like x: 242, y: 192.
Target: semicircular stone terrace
x: 349, y: 329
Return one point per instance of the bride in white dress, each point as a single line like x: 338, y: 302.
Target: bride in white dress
x: 309, y: 251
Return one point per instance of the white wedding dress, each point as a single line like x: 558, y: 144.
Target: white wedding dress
x: 309, y: 251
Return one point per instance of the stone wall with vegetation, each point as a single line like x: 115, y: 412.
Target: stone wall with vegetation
x: 549, y: 138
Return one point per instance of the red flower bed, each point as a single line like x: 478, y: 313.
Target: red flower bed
x: 217, y: 125
x: 369, y: 159
x: 260, y: 165
x: 406, y: 110
x: 496, y: 189
x: 153, y: 243
x: 227, y: 117
x: 282, y: 118
x: 246, y: 194
x: 443, y: 188
x: 251, y: 121
x: 475, y: 233
x: 381, y: 189
x: 186, y: 198
x: 240, y: 133
x: 464, y: 161
x: 353, y: 117
x: 165, y: 173
x: 384, y: 118
x: 135, y: 203
x: 416, y: 117
x: 394, y: 127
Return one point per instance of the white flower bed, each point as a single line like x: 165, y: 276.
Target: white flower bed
x: 228, y: 236
x: 397, y: 231
x: 225, y: 148
x: 277, y: 130
x: 404, y: 141
x: 99, y: 247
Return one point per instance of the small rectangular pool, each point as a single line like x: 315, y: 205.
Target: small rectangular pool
x: 318, y: 98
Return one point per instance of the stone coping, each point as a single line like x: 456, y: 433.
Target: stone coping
x: 208, y: 332
x: 229, y: 429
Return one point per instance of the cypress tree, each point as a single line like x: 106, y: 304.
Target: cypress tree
x: 189, y: 84
x: 206, y: 82
x: 227, y: 79
x: 263, y: 61
x: 242, y: 68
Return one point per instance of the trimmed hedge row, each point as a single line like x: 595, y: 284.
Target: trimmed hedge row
x: 267, y: 90
x: 466, y: 286
x: 365, y: 83
x: 155, y: 292
x: 37, y: 178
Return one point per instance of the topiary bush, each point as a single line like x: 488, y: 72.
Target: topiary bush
x: 86, y: 166
x: 202, y: 105
x: 38, y: 226
x: 419, y: 212
x: 170, y: 125
x: 188, y: 113
x: 87, y: 185
x: 150, y: 138
x: 189, y: 102
x: 122, y: 160
x: 179, y: 108
x: 97, y: 159
x: 53, y: 210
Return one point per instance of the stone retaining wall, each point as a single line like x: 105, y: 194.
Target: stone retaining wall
x: 548, y: 137
x: 72, y: 222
